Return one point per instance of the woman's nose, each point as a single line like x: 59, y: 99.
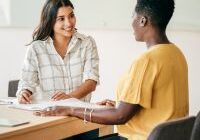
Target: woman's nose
x: 67, y: 23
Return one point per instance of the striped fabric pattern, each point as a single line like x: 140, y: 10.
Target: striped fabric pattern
x: 45, y: 69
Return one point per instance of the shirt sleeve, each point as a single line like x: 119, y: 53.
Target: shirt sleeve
x: 91, y: 64
x: 29, y: 74
x: 138, y: 86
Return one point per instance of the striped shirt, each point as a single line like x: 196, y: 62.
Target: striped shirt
x: 45, y: 70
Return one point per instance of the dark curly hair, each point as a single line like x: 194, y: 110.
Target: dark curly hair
x: 159, y: 12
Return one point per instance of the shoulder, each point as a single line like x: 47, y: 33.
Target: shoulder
x: 156, y: 53
x: 165, y: 53
x: 143, y: 57
x: 141, y: 61
x: 85, y: 40
x: 164, y: 49
x: 38, y: 45
x: 144, y: 61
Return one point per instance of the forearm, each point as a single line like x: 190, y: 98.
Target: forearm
x: 29, y: 74
x: 84, y: 89
x: 108, y: 116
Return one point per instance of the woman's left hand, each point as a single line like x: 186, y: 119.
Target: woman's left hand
x: 60, y: 95
x: 54, y: 111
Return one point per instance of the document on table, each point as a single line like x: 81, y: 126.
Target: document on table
x: 11, y: 123
x: 8, y: 101
x: 71, y: 102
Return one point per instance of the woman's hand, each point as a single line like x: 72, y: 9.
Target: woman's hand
x: 60, y: 95
x: 54, y: 111
x: 25, y: 97
x: 107, y: 102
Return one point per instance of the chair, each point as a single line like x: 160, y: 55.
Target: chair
x: 12, y: 88
x: 180, y: 129
x: 196, y: 128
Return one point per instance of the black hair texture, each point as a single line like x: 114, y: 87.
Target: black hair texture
x: 159, y: 12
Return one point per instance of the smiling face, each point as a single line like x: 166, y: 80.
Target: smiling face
x: 65, y: 22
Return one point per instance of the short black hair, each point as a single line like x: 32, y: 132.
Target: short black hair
x: 159, y: 12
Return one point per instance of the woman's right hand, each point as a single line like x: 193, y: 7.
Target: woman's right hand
x: 107, y: 102
x: 25, y: 97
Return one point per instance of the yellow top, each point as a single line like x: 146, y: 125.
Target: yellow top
x: 157, y: 81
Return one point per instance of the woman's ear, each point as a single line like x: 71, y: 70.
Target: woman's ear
x: 143, y: 21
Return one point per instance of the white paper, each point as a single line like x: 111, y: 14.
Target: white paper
x: 10, y: 122
x: 8, y: 101
x: 71, y: 102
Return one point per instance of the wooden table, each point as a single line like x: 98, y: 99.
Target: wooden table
x: 45, y: 128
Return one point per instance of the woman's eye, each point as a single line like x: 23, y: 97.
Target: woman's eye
x: 60, y: 19
x: 72, y: 15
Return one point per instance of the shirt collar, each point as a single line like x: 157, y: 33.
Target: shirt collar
x: 76, y: 36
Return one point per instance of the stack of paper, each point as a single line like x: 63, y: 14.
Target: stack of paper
x: 71, y: 102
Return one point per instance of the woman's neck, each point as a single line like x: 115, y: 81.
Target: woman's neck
x: 61, y: 45
x: 61, y: 41
x: 157, y: 37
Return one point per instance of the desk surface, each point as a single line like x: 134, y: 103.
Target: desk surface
x: 45, y: 128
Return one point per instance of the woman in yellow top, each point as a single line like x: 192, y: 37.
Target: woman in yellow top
x: 155, y: 89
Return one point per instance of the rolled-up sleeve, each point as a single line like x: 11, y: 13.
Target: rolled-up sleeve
x: 29, y: 74
x: 91, y: 67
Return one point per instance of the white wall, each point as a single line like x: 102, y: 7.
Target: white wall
x: 4, y: 12
x: 98, y: 14
x: 117, y: 49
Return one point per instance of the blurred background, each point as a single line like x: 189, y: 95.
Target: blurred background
x: 109, y: 22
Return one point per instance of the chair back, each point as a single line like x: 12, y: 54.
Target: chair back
x: 12, y: 88
x: 196, y: 128
x: 179, y: 129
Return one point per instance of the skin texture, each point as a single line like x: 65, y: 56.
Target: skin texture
x: 110, y: 115
x: 25, y: 97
